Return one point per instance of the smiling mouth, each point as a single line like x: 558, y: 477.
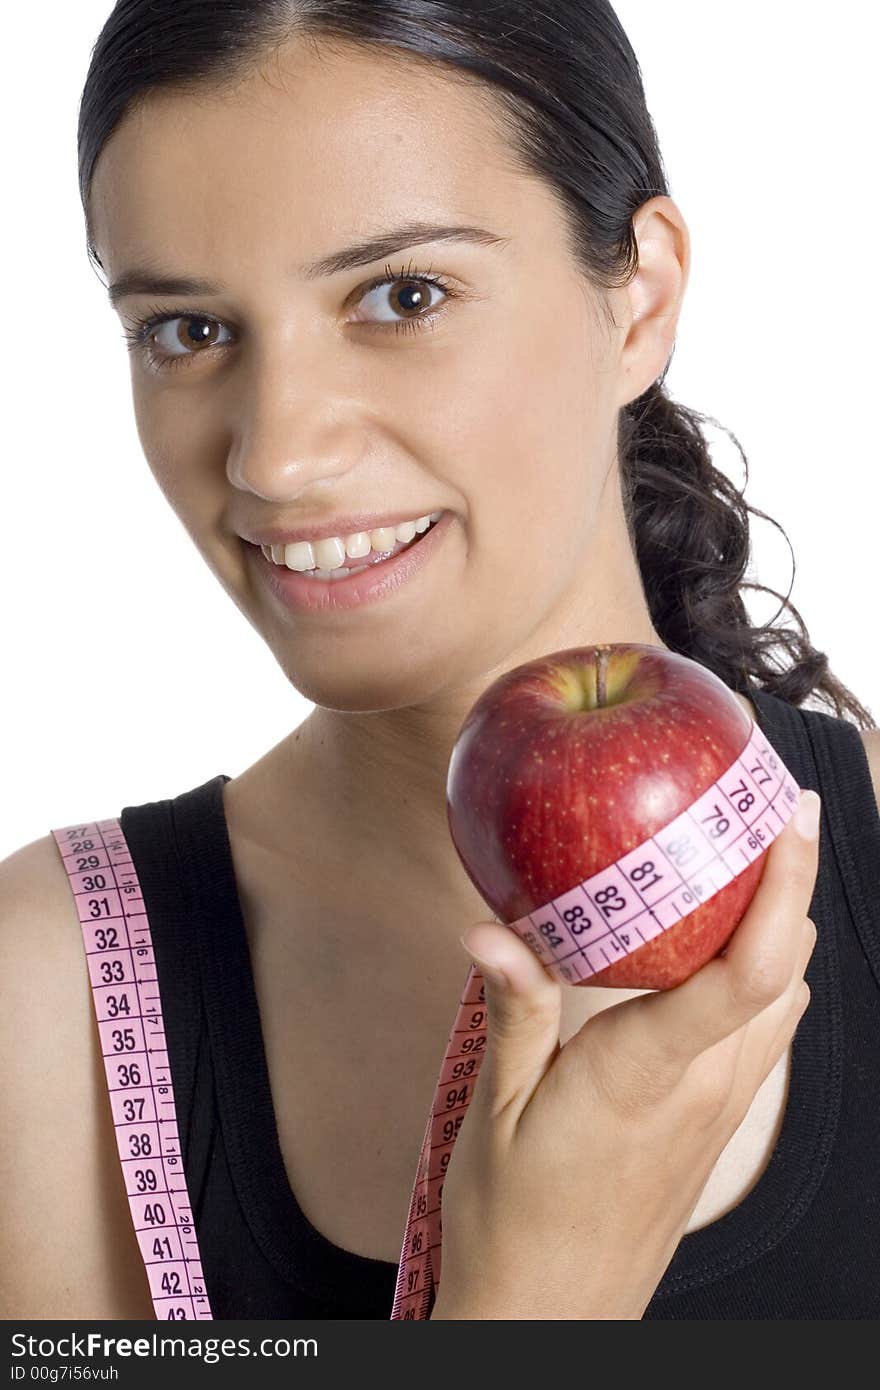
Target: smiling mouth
x: 356, y: 566
x: 308, y: 593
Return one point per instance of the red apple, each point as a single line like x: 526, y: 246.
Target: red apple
x: 566, y: 763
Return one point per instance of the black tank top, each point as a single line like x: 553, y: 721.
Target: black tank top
x: 803, y: 1243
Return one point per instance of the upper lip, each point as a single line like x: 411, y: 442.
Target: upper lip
x: 336, y: 526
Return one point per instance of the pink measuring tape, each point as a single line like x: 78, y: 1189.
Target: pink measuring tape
x: 619, y: 909
x: 122, y: 971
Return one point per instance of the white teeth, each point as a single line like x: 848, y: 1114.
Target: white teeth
x: 334, y: 574
x: 329, y: 553
x: 326, y: 558
x: 383, y: 538
x: 357, y: 545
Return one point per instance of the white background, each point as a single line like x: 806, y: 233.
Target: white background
x: 131, y: 676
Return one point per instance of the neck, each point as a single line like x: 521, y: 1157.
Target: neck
x: 382, y: 779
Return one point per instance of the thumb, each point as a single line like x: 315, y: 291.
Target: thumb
x: 524, y: 1006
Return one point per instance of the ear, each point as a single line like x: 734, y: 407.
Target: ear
x: 649, y: 305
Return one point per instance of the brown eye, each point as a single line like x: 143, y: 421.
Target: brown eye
x: 403, y: 298
x: 186, y: 335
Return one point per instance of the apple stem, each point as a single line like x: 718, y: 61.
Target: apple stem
x: 601, y: 692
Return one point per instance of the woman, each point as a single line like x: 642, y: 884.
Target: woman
x: 296, y: 412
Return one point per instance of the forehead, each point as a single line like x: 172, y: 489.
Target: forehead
x: 312, y: 145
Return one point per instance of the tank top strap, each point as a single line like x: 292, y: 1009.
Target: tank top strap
x: 853, y: 821
x: 152, y: 830
x: 160, y: 1104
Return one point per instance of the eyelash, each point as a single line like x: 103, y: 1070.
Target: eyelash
x: 138, y: 332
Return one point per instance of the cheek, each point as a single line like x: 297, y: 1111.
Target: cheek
x: 527, y: 441
x: 177, y: 453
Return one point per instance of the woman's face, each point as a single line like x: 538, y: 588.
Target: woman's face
x: 303, y: 402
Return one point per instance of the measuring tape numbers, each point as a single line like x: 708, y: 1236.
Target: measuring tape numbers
x: 617, y: 910
x: 125, y: 991
x: 667, y: 876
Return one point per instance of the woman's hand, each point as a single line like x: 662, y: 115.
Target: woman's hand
x: 577, y: 1168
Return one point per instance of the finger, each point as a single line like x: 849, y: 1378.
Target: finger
x: 673, y: 1027
x: 524, y: 1007
x: 808, y: 945
x: 727, y: 1076
x: 768, y: 1035
x: 762, y: 951
x: 798, y: 1000
x: 756, y: 1060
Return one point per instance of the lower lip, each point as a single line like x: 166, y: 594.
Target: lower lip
x: 379, y: 580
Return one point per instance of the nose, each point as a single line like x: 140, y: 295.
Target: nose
x: 292, y: 436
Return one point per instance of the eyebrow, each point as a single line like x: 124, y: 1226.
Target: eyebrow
x: 144, y: 281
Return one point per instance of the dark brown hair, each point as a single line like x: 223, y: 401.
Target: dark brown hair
x: 569, y: 91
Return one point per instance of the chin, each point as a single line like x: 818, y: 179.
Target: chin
x: 357, y: 690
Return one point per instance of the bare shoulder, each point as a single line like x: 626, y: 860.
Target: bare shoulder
x: 871, y: 740
x: 67, y: 1246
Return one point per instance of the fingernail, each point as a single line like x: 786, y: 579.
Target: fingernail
x: 493, y: 973
x: 806, y: 816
